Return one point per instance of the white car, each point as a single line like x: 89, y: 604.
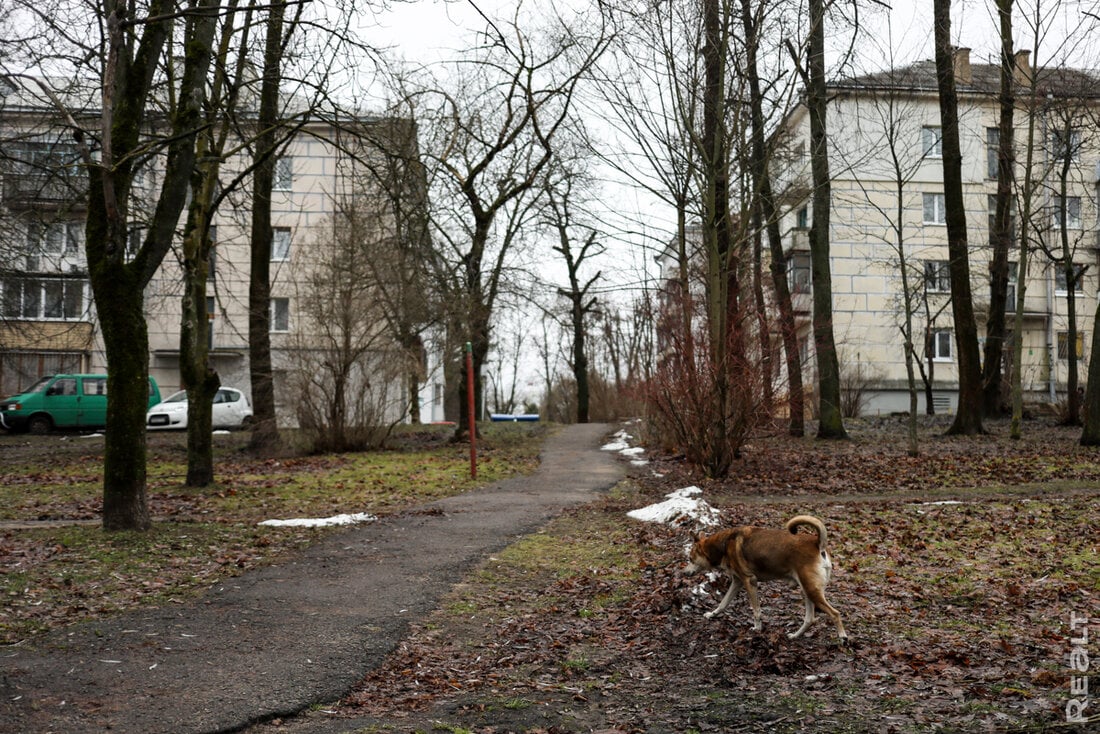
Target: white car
x: 231, y: 410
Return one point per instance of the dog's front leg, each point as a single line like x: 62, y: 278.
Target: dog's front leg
x: 734, y: 582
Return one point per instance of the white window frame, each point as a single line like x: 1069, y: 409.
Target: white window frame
x: 937, y: 276
x: 55, y: 239
x: 992, y: 146
x: 283, y: 175
x: 1058, y: 144
x: 941, y: 342
x: 33, y: 298
x: 280, y: 325
x: 938, y: 207
x: 1060, y: 285
x: 1073, y: 212
x: 931, y: 141
x: 280, y: 244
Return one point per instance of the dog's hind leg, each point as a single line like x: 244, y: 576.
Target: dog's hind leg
x: 754, y: 602
x: 815, y: 596
x: 808, y: 618
x: 734, y: 583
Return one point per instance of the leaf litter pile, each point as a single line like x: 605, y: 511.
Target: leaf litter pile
x: 956, y: 575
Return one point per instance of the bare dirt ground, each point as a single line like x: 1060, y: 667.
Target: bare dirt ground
x: 960, y: 575
x: 963, y: 576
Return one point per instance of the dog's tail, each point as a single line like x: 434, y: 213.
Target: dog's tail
x: 809, y: 521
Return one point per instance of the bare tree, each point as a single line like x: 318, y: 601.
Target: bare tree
x: 968, y: 418
x: 345, y: 369
x: 489, y: 142
x: 145, y: 112
x: 1000, y: 235
x: 752, y: 20
x: 577, y: 244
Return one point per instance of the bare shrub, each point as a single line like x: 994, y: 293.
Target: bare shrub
x: 347, y: 405
x: 703, y: 409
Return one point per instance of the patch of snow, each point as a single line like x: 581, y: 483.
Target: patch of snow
x: 318, y: 522
x: 943, y: 502
x: 621, y: 442
x: 632, y: 452
x: 682, y: 506
x: 638, y: 462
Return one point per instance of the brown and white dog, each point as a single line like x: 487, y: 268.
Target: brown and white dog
x: 751, y: 554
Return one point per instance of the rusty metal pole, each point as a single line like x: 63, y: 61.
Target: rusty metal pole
x: 471, y: 419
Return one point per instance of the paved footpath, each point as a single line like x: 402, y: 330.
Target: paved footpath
x: 275, y: 641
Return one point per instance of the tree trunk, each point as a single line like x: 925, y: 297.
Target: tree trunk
x: 117, y: 286
x: 125, y: 503
x: 831, y: 424
x: 968, y: 418
x: 716, y: 234
x: 199, y: 379
x: 762, y: 185
x: 1000, y: 238
x: 1073, y: 401
x: 265, y: 432
x: 1090, y: 434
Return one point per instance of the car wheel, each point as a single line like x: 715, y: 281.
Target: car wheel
x: 39, y: 425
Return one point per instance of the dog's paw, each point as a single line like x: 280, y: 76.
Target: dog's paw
x: 709, y: 615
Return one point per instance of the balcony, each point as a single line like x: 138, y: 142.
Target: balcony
x: 38, y: 191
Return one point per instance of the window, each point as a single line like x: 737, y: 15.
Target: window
x: 939, y: 344
x: 799, y: 276
x: 43, y: 298
x: 937, y: 276
x: 280, y: 244
x: 94, y: 386
x: 135, y: 237
x: 284, y: 173
x: 64, y: 386
x: 803, y: 218
x: 1065, y: 143
x: 991, y: 205
x: 54, y: 238
x: 280, y: 314
x: 934, y: 210
x: 1060, y: 278
x: 1063, y: 345
x: 931, y: 139
x: 211, y: 313
x: 992, y: 144
x: 1073, y: 212
x: 1010, y: 299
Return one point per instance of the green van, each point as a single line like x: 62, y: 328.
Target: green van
x: 62, y: 401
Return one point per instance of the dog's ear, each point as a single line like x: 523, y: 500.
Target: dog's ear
x: 698, y: 535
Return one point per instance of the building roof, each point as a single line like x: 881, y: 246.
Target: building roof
x: 979, y: 79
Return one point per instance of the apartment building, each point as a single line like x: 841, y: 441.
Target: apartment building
x: 47, y: 315
x: 887, y: 203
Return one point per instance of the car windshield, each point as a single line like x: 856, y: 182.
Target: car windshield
x: 179, y: 397
x: 40, y: 385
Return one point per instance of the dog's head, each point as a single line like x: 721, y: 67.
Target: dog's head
x: 698, y: 559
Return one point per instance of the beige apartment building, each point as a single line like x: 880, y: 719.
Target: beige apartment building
x: 874, y: 116
x: 47, y: 317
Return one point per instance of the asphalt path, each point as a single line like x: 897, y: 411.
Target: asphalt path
x: 275, y: 641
